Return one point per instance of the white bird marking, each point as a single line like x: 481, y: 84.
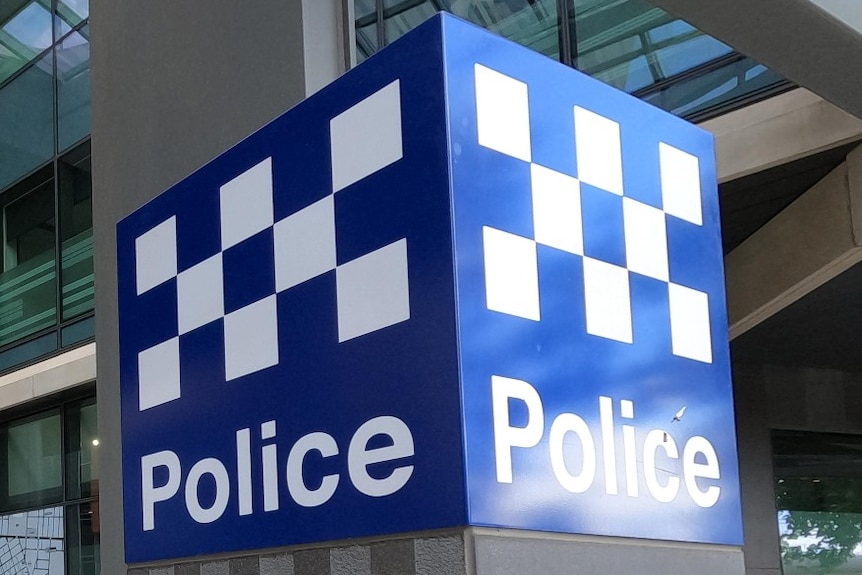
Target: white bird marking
x: 679, y: 414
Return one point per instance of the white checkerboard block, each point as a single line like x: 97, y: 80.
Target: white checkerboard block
x: 305, y: 244
x: 646, y: 239
x: 246, y: 204
x: 156, y: 255
x: 608, y: 300
x: 373, y: 291
x: 251, y: 338
x: 689, y: 323
x: 599, y: 151
x: 511, y: 274
x: 557, y: 220
x: 366, y: 137
x: 200, y: 294
x: 159, y: 374
x: 680, y: 183
x: 502, y: 113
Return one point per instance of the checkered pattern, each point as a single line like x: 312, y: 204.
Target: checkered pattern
x: 372, y: 290
x: 560, y: 220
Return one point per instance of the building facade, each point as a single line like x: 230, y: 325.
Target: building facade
x: 175, y: 85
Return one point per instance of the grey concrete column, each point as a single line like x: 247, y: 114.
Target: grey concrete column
x: 813, y: 240
x: 174, y: 84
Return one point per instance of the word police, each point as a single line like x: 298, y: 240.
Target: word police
x: 700, y: 464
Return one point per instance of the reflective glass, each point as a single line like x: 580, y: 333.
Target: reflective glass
x: 32, y: 457
x: 82, y: 529
x: 365, y: 12
x: 76, y: 230
x: 28, y: 286
x: 25, y: 32
x: 629, y: 44
x: 27, y: 120
x: 73, y: 88
x: 818, y: 488
x: 532, y: 23
x: 82, y: 447
x: 70, y: 13
x: 733, y: 82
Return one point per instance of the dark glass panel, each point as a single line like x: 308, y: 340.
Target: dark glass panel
x: 28, y: 351
x: 73, y: 88
x: 82, y: 528
x: 28, y: 284
x: 82, y: 448
x: 365, y: 12
x: 818, y: 487
x: 27, y: 120
x: 76, y: 231
x: 31, y: 457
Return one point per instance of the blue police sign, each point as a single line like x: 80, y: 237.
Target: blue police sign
x: 462, y: 285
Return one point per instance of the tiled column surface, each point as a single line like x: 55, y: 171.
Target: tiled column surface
x: 440, y: 555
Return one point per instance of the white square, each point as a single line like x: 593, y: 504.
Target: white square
x: 502, y: 113
x: 305, y: 244
x: 557, y: 210
x: 156, y: 255
x: 366, y: 137
x: 680, y: 183
x: 689, y: 323
x: 599, y: 151
x: 200, y: 294
x: 373, y: 291
x: 246, y: 204
x: 608, y: 300
x: 646, y: 239
x: 251, y: 338
x: 511, y: 274
x: 159, y: 374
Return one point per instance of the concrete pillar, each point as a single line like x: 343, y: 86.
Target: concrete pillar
x: 174, y: 84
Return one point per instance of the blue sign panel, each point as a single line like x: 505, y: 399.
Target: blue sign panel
x: 461, y: 285
x: 592, y: 324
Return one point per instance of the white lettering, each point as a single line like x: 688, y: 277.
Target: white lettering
x: 564, y: 424
x: 693, y: 470
x: 654, y: 440
x: 217, y: 470
x: 505, y: 436
x: 359, y: 457
x: 324, y: 444
x: 151, y: 494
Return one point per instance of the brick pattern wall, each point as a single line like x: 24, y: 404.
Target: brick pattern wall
x: 441, y: 555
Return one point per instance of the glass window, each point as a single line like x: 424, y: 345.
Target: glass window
x: 70, y: 13
x: 82, y: 445
x: 32, y: 457
x: 365, y: 12
x: 25, y: 32
x: 83, y: 539
x: 76, y: 231
x: 818, y: 486
x: 630, y: 44
x: 28, y: 286
x: 27, y: 118
x: 73, y: 88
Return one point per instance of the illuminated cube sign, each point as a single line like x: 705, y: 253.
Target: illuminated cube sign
x: 462, y: 285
